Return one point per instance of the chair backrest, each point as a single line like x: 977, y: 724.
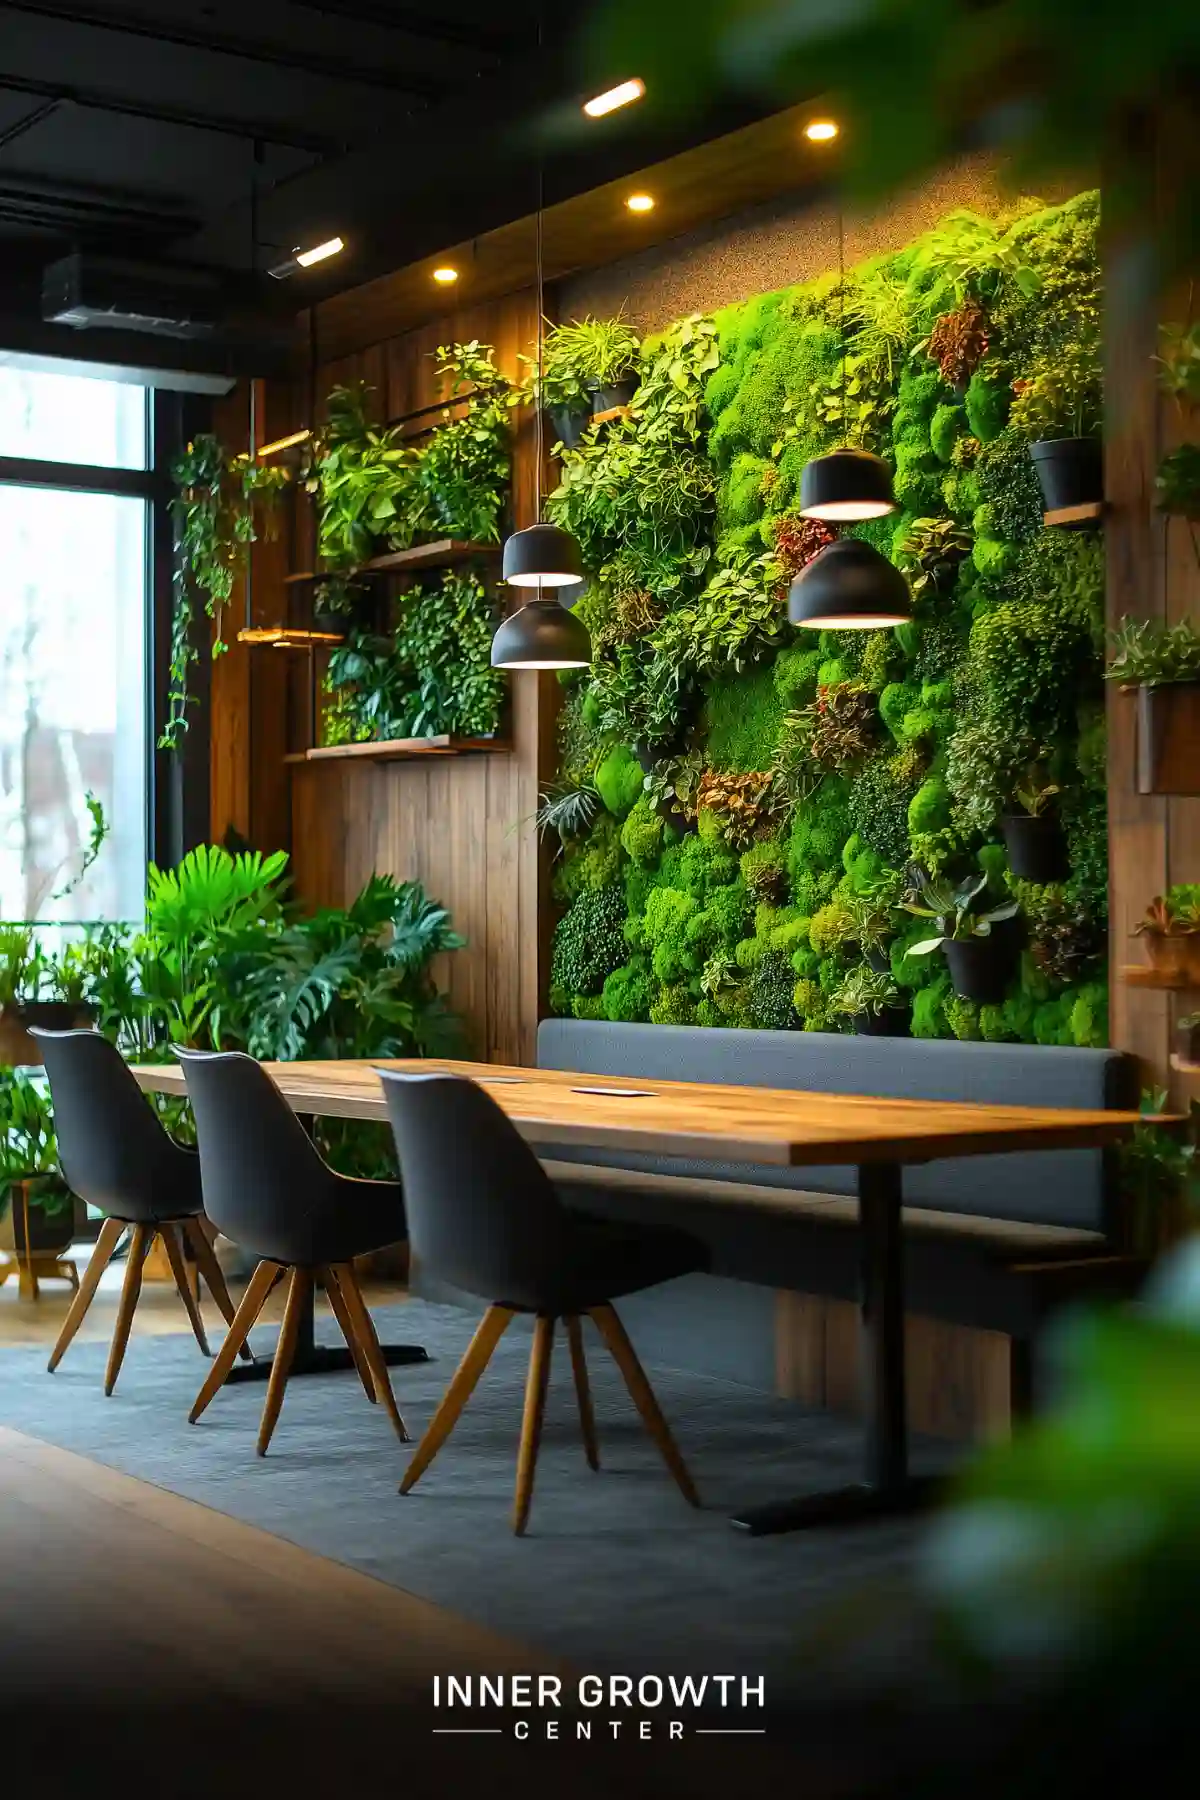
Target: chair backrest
x: 113, y: 1149
x: 263, y: 1179
x: 482, y: 1213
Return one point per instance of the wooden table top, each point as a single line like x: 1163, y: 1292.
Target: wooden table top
x: 771, y: 1126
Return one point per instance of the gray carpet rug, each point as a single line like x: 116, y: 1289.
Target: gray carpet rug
x: 616, y: 1572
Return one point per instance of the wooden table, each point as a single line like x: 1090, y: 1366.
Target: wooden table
x: 769, y: 1126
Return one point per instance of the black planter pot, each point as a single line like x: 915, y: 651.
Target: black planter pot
x: 879, y: 960
x: 617, y: 393
x: 1070, y: 470
x: 1037, y: 849
x: 980, y: 967
x: 647, y: 756
x: 56, y: 1015
x: 892, y: 1021
x: 1187, y: 1041
x: 569, y: 423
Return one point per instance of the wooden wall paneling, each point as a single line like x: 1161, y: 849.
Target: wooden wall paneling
x: 1137, y: 823
x: 463, y: 825
x: 958, y: 1382
x: 1152, y: 573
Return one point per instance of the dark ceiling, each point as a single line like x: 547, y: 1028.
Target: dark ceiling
x: 143, y: 127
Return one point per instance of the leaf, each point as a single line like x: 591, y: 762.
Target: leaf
x: 925, y: 946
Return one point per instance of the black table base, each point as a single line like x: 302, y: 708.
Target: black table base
x: 887, y: 1487
x: 312, y: 1358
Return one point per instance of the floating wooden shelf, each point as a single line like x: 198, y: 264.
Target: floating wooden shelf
x: 288, y: 637
x: 1076, y: 518
x: 438, y: 555
x: 1143, y: 976
x: 396, y: 749
x: 1182, y: 1066
x: 612, y: 412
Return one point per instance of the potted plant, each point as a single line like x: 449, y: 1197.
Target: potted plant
x: 1033, y: 837
x: 37, y: 1209
x: 588, y: 366
x: 22, y: 965
x: 1171, y: 931
x: 1060, y: 410
x: 979, y: 958
x: 1160, y: 665
x: 872, y: 1001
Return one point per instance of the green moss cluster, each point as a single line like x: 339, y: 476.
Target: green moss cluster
x: 589, y: 942
x: 1001, y: 660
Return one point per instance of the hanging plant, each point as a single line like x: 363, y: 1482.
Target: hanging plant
x: 221, y: 509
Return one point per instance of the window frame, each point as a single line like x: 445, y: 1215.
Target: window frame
x: 175, y: 800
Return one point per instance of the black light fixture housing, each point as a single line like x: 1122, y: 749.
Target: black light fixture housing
x: 542, y: 556
x: 542, y: 635
x: 849, y: 586
x: 846, y: 485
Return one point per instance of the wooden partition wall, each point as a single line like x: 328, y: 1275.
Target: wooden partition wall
x: 462, y: 824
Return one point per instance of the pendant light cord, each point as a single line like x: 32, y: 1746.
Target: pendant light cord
x: 841, y: 228
x: 257, y: 153
x: 541, y: 308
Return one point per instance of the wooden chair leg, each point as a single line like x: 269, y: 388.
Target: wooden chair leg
x: 299, y: 1290
x: 210, y: 1269
x: 583, y: 1392
x: 368, y: 1343
x: 531, y: 1424
x: 106, y: 1243
x: 139, y: 1248
x: 642, y: 1395
x: 490, y: 1330
x: 341, y: 1314
x: 257, y: 1289
x: 173, y: 1245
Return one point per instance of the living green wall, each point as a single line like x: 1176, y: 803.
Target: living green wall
x: 794, y: 776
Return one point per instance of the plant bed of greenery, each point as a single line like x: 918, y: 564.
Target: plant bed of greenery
x: 225, y: 960
x: 816, y: 766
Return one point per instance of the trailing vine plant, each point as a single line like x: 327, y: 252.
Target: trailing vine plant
x: 222, y: 506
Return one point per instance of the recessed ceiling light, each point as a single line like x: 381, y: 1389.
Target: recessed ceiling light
x: 820, y: 131
x: 319, y: 252
x: 640, y: 203
x: 622, y: 95
x: 445, y: 275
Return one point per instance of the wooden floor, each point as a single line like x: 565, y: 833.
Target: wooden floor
x: 159, y: 1308
x: 150, y: 1645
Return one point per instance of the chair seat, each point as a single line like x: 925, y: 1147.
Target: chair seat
x: 612, y: 1258
x: 356, y: 1218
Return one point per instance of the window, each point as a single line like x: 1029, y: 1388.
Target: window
x: 73, y: 644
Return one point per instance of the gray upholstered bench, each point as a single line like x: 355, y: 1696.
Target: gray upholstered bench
x: 992, y: 1243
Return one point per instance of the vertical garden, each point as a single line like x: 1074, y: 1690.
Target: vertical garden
x: 763, y: 825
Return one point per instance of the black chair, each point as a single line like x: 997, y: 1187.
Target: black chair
x: 116, y: 1155
x: 267, y: 1188
x: 484, y: 1216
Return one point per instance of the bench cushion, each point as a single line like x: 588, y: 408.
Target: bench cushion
x: 1067, y: 1188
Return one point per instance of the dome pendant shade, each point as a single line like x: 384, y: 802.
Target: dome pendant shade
x: 846, y: 485
x: 542, y: 635
x: 542, y: 556
x: 849, y: 586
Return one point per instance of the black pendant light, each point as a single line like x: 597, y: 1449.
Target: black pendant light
x: 542, y: 634
x: 849, y: 586
x: 848, y: 484
x: 542, y: 556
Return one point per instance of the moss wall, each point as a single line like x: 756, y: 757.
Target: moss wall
x: 794, y: 776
